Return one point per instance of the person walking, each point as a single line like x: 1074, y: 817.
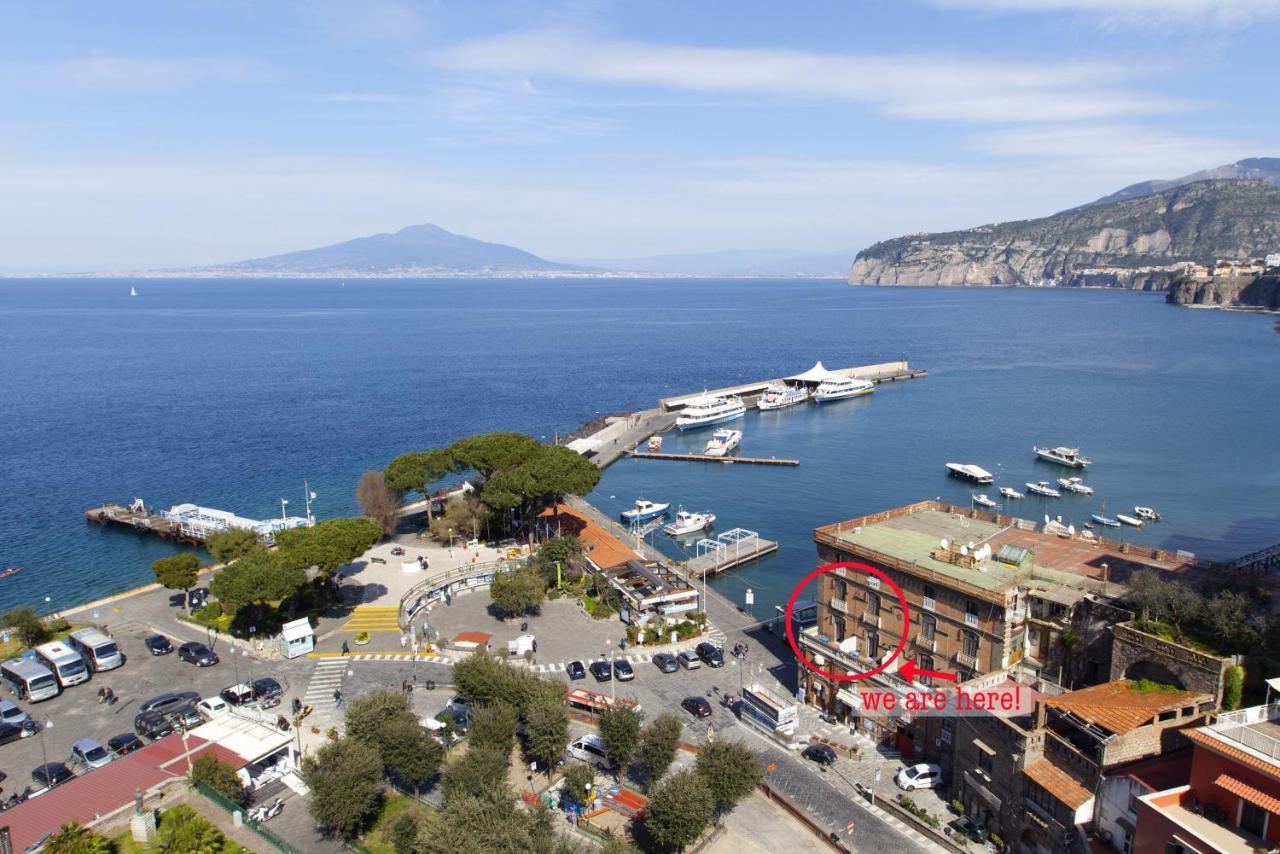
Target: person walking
x: 346, y: 650
x: 337, y: 698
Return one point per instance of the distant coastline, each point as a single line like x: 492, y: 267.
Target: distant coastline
x: 407, y: 274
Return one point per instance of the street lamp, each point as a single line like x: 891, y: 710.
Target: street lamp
x: 45, y: 724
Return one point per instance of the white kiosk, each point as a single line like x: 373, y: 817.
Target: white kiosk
x: 297, y: 638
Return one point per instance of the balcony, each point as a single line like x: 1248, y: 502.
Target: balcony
x: 839, y: 605
x: 928, y: 604
x: 971, y: 620
x: 870, y: 620
x: 927, y: 644
x: 967, y: 661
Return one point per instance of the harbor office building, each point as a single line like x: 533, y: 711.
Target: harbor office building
x: 986, y: 593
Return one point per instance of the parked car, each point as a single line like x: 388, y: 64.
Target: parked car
x: 237, y: 695
x: 212, y: 707
x: 590, y: 749
x: 123, y: 743
x: 11, y: 714
x: 576, y: 670
x: 51, y: 774
x: 88, y: 754
x: 602, y: 670
x: 666, y: 662
x: 820, y: 753
x: 197, y: 653
x: 186, y: 717
x: 166, y: 703
x: 268, y: 692
x: 967, y: 826
x: 922, y: 776
x: 689, y: 660
x: 158, y: 644
x: 152, y: 725
x: 711, y: 654
x: 696, y: 706
x: 13, y: 732
x: 623, y: 671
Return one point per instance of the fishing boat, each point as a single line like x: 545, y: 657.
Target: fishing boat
x: 1129, y: 520
x: 966, y: 471
x: 837, y: 387
x: 982, y: 500
x: 1010, y: 492
x: 709, y: 409
x: 722, y: 442
x: 1069, y: 457
x: 10, y: 570
x: 782, y: 396
x: 1102, y: 518
x: 1075, y: 484
x: 688, y: 523
x: 1146, y: 513
x: 655, y: 443
x: 644, y: 510
x: 1042, y: 487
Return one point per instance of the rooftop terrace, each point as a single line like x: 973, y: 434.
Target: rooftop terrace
x: 1255, y: 732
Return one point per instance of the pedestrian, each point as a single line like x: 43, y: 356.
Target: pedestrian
x: 297, y: 706
x: 404, y: 641
x: 102, y: 695
x: 337, y: 698
x: 346, y: 650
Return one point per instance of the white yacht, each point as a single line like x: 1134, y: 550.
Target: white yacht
x: 1069, y: 457
x: 967, y: 471
x: 722, y: 442
x: 838, y: 387
x: 1043, y: 488
x: 688, y: 523
x: 1146, y: 513
x: 1010, y: 492
x: 981, y: 499
x: 709, y: 409
x: 644, y: 510
x: 1075, y: 484
x: 1129, y: 520
x: 782, y: 396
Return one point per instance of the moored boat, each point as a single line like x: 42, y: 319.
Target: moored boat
x: 10, y: 570
x: 1075, y: 484
x: 1010, y: 492
x: 782, y: 396
x: 1146, y: 513
x: 1102, y: 518
x: 655, y: 443
x: 967, y: 471
x: 1129, y: 520
x: 709, y: 409
x: 722, y: 442
x: 644, y: 510
x: 1063, y: 456
x: 688, y: 523
x: 1043, y: 488
x: 982, y: 500
x: 837, y: 387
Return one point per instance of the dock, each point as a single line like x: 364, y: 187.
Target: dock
x: 730, y: 549
x: 137, y: 518
x: 703, y: 458
x: 884, y: 372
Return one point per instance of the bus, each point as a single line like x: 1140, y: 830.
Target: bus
x: 591, y: 702
x: 64, y: 661
x: 28, y: 680
x: 97, y: 648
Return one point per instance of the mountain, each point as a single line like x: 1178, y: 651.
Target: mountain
x: 731, y: 262
x: 415, y: 250
x: 1138, y: 242
x: 1251, y: 169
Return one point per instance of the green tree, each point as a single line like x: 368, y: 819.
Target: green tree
x: 546, y: 725
x: 492, y: 824
x: 658, y: 745
x: 490, y: 453
x: 27, y: 625
x: 480, y: 772
x: 482, y: 680
x: 679, y: 810
x: 1232, y: 687
x: 730, y: 771
x: 554, y: 472
x: 418, y: 470
x: 409, y: 753
x: 182, y: 830
x: 620, y: 729
x: 328, y: 544
x: 367, y: 714
x: 345, y: 778
x: 177, y: 572
x: 232, y: 544
x: 464, y: 517
x: 403, y: 831
x: 494, y: 725
x: 219, y: 776
x: 518, y: 591
x: 256, y: 578
x: 1229, y: 616
x: 576, y: 777
x: 71, y: 838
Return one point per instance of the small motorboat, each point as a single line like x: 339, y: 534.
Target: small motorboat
x: 1010, y: 492
x: 1069, y: 457
x: 655, y: 443
x: 1129, y: 520
x: 10, y: 570
x: 1075, y: 484
x: 722, y: 442
x: 1102, y: 518
x: 1042, y: 487
x: 644, y: 510
x: 1146, y: 513
x: 688, y: 523
x: 982, y: 500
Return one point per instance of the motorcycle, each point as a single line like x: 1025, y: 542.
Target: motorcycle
x: 266, y: 812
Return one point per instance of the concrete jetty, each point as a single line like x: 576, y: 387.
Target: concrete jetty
x: 884, y: 372
x: 704, y: 458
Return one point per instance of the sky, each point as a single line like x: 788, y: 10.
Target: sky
x: 139, y: 135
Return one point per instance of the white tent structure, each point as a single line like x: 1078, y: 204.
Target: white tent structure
x: 815, y: 375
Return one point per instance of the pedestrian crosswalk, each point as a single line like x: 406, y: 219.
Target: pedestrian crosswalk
x: 378, y: 656
x: 325, y: 679
x: 370, y: 618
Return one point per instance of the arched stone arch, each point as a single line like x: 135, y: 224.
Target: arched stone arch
x: 1154, y: 671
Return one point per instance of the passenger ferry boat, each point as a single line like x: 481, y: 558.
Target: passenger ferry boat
x: 722, y: 442
x: 967, y: 471
x: 688, y: 523
x: 1043, y: 488
x: 1075, y: 484
x: 838, y: 388
x: 782, y: 396
x: 708, y: 410
x: 645, y: 510
x: 1069, y: 457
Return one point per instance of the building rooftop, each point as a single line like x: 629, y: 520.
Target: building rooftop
x: 1058, y: 782
x: 1121, y: 706
x: 1159, y: 772
x: 649, y: 581
x: 1173, y: 805
x: 1250, y: 736
x: 599, y: 546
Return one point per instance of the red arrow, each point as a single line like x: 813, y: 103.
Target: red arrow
x: 909, y: 672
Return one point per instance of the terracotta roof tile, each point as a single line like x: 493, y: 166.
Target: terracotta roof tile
x: 1270, y: 803
x: 478, y: 638
x: 1057, y: 782
x: 601, y: 547
x: 1204, y: 739
x: 1118, y: 706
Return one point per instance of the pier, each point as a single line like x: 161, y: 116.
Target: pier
x: 884, y: 372
x: 137, y: 518
x: 730, y: 549
x: 703, y: 458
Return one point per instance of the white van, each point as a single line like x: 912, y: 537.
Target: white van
x: 29, y: 680
x: 64, y: 661
x: 98, y: 649
x: 590, y: 749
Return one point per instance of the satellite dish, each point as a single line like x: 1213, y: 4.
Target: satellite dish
x: 971, y: 545
x: 964, y: 550
x: 1071, y: 529
x: 944, y: 542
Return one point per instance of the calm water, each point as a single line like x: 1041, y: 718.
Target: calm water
x: 229, y: 393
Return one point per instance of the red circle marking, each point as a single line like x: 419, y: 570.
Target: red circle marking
x: 831, y: 567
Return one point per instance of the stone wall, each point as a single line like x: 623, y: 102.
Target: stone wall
x: 1136, y: 654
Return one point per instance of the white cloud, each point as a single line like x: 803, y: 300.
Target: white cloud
x: 1136, y: 12
x: 1115, y: 149
x: 919, y: 86
x: 134, y: 73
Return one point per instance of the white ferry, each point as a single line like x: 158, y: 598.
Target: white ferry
x: 966, y: 471
x: 644, y: 510
x: 1075, y: 484
x: 837, y: 387
x: 1069, y: 457
x: 708, y: 410
x: 722, y: 442
x: 782, y: 396
x: 1043, y: 488
x: 688, y: 523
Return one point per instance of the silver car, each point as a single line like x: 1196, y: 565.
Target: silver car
x: 89, y: 754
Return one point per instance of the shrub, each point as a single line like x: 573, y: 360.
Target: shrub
x: 1232, y: 687
x: 576, y: 777
x: 220, y: 777
x: 27, y: 625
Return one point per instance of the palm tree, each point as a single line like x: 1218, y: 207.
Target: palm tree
x: 71, y: 838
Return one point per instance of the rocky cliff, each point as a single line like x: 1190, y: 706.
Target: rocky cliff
x: 1257, y: 292
x: 1138, y: 242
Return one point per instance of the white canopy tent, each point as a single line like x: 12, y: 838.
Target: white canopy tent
x: 818, y: 373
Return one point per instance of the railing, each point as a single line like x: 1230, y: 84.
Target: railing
x: 839, y: 605
x: 928, y: 603
x: 930, y: 644
x: 1236, y: 726
x: 257, y: 827
x: 964, y: 659
x: 870, y: 620
x: 409, y: 602
x: 971, y: 620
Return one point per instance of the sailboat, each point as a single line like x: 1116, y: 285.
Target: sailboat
x: 1102, y: 519
x: 133, y: 292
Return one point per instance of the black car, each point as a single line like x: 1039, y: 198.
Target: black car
x: 576, y: 670
x: 158, y: 645
x: 602, y: 670
x: 51, y: 774
x: 696, y: 706
x: 237, y: 695
x: 622, y: 670
x: 197, y: 653
x: 820, y: 753
x: 123, y: 743
x: 711, y: 654
x: 152, y: 725
x: 13, y: 732
x: 666, y: 662
x: 268, y: 692
x: 166, y: 703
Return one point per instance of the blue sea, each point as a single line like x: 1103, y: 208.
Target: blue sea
x: 231, y: 393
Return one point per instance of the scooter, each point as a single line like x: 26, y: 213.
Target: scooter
x: 266, y: 812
